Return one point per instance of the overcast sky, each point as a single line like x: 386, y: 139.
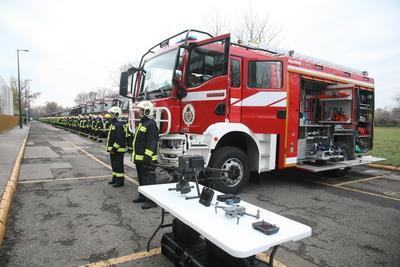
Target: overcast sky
x: 79, y: 45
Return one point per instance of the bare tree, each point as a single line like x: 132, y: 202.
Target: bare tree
x: 249, y: 26
x: 386, y: 117
x: 397, y: 100
x: 216, y: 23
x: 112, y: 94
x: 115, y: 75
x: 51, y: 107
x: 32, y: 96
x: 86, y: 97
x: 92, y: 96
x: 102, y: 93
x: 82, y: 98
x: 27, y: 96
x: 256, y: 28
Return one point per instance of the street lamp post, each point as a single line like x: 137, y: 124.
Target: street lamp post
x: 19, y: 88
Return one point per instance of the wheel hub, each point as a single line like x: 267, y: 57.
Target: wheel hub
x: 237, y: 167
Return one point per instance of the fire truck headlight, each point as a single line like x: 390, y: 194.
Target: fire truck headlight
x: 171, y: 144
x: 176, y: 144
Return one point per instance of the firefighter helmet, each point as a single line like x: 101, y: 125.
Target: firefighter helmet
x: 147, y: 107
x: 115, y: 111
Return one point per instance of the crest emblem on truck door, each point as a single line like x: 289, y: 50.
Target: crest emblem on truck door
x: 188, y: 114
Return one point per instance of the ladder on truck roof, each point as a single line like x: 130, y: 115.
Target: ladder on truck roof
x: 299, y: 56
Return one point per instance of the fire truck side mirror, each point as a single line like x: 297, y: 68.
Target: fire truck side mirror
x: 180, y: 90
x: 123, y: 83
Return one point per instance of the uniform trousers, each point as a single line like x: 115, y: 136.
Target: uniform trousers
x: 145, y: 174
x: 117, y: 165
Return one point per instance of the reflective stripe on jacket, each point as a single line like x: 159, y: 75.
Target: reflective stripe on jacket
x: 145, y: 141
x: 128, y: 136
x: 116, y: 137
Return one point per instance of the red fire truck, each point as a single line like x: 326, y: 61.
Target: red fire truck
x: 252, y: 109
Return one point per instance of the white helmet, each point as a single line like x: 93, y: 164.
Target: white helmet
x: 147, y: 107
x: 115, y: 111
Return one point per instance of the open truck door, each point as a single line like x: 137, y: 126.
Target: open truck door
x: 206, y: 82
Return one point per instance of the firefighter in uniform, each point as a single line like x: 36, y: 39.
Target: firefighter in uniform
x: 145, y: 150
x: 99, y: 128
x: 107, y: 125
x: 116, y: 147
x: 129, y: 137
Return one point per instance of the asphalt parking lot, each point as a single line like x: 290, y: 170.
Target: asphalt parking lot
x: 65, y: 214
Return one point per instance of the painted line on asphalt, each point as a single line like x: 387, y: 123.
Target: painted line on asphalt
x: 126, y: 258
x: 127, y: 177
x: 369, y: 193
x: 264, y: 257
x: 63, y: 179
x: 361, y: 180
x: 65, y: 157
x: 351, y: 189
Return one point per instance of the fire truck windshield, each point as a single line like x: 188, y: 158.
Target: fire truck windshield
x: 158, y: 72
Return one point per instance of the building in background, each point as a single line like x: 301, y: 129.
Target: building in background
x: 6, y: 98
x: 7, y: 118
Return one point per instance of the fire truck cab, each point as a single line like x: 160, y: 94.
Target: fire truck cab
x: 252, y: 109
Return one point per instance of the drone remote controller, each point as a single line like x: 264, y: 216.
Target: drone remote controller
x: 229, y: 199
x: 265, y: 227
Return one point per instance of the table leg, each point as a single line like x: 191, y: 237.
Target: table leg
x: 271, y: 257
x: 162, y: 225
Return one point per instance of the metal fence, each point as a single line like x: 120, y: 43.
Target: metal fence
x: 6, y: 98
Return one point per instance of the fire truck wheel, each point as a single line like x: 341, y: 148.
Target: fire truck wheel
x: 230, y: 158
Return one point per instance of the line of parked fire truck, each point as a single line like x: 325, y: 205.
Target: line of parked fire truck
x: 90, y: 121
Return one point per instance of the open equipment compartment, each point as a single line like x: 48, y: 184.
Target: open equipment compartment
x: 364, y: 134
x: 327, y: 118
x: 337, y: 104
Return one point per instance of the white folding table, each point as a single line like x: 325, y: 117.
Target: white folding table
x: 239, y: 240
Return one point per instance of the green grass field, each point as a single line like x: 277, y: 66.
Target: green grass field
x: 387, y: 145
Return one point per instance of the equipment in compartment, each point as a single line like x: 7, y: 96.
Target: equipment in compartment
x: 336, y: 104
x: 336, y: 114
x: 317, y: 133
x: 325, y: 125
x: 320, y: 151
x: 310, y: 135
x: 363, y: 137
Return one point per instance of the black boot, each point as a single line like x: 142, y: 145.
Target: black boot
x: 149, y: 205
x: 118, y: 182
x: 112, y: 181
x: 139, y: 199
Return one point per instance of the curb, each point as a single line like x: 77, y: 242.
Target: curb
x: 10, y: 189
x: 384, y: 167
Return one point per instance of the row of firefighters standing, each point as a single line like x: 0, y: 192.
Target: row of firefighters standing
x: 95, y: 127
x: 119, y: 139
x: 144, y: 148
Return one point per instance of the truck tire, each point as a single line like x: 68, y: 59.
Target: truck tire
x: 230, y: 157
